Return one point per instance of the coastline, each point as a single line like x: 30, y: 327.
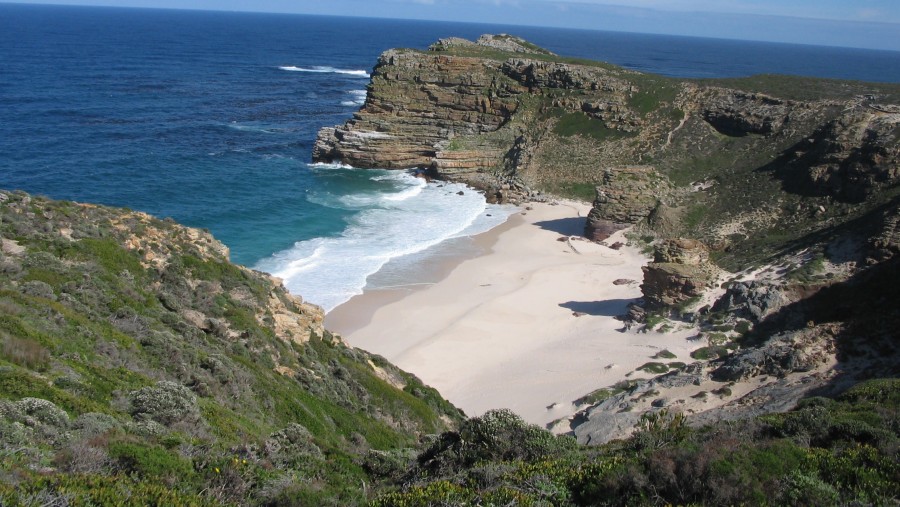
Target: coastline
x: 529, y: 324
x: 357, y: 312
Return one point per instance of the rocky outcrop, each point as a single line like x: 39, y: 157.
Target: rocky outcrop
x: 848, y: 158
x: 679, y: 272
x: 502, y: 42
x: 417, y: 100
x: 537, y: 74
x: 625, y: 196
x: 886, y: 244
x: 751, y: 300
x: 800, y: 351
x: 736, y: 113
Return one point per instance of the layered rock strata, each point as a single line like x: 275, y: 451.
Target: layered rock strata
x: 679, y: 272
x: 625, y: 196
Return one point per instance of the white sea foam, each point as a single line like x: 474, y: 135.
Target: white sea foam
x: 404, y: 217
x: 330, y: 165
x: 252, y: 128
x: 326, y: 70
x: 359, y: 98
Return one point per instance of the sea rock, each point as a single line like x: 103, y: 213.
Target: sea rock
x: 626, y: 196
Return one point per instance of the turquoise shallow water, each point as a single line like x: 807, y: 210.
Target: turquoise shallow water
x: 209, y: 118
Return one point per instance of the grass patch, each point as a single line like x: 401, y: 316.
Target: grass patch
x: 664, y: 354
x: 653, y: 367
x: 585, y: 192
x: 580, y: 124
x: 711, y: 352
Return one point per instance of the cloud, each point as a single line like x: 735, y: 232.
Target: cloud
x: 839, y: 10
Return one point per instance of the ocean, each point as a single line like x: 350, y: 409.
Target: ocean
x: 210, y: 117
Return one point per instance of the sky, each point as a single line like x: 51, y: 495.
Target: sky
x: 852, y: 23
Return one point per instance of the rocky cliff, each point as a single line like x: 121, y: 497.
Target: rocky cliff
x: 729, y: 162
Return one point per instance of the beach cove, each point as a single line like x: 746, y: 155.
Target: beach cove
x: 528, y: 325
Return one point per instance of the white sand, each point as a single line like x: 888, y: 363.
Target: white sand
x: 499, y: 330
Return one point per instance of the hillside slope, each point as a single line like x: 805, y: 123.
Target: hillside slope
x: 137, y: 362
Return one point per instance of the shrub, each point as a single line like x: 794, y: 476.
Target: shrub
x: 497, y: 435
x: 94, y: 424
x: 291, y: 447
x: 664, y: 354
x: 150, y: 461
x: 38, y: 289
x: 653, y: 367
x: 387, y: 464
x: 26, y: 353
x: 803, y: 489
x: 166, y: 403
x: 34, y: 412
x: 656, y: 430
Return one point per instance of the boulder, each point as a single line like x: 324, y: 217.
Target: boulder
x: 625, y: 196
x: 680, y: 271
x: 751, y: 300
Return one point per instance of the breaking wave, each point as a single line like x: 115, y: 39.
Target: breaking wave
x: 326, y: 70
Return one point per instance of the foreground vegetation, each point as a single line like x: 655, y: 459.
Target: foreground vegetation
x: 139, y: 367
x: 826, y: 452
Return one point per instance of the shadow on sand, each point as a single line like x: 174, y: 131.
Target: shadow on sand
x: 573, y: 226
x: 607, y: 308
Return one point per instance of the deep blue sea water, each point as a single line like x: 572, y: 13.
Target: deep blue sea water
x: 209, y: 118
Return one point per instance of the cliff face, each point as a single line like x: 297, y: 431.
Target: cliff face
x: 415, y: 102
x: 732, y: 162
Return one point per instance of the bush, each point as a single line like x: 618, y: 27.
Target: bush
x: 802, y: 489
x: 664, y: 354
x: 94, y: 424
x: 653, y: 367
x: 26, y: 353
x: 497, y: 435
x: 150, y: 461
x: 167, y: 403
x: 291, y: 447
x: 35, y: 412
x: 387, y: 464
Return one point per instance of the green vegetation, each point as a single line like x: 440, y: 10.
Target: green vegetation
x: 580, y: 124
x: 825, y: 452
x: 155, y: 382
x: 653, y: 367
x: 664, y: 354
x: 585, y: 192
x: 807, y: 88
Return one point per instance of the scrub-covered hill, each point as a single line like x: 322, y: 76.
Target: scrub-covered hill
x: 138, y: 364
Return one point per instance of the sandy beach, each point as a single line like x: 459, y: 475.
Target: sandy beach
x: 529, y: 325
